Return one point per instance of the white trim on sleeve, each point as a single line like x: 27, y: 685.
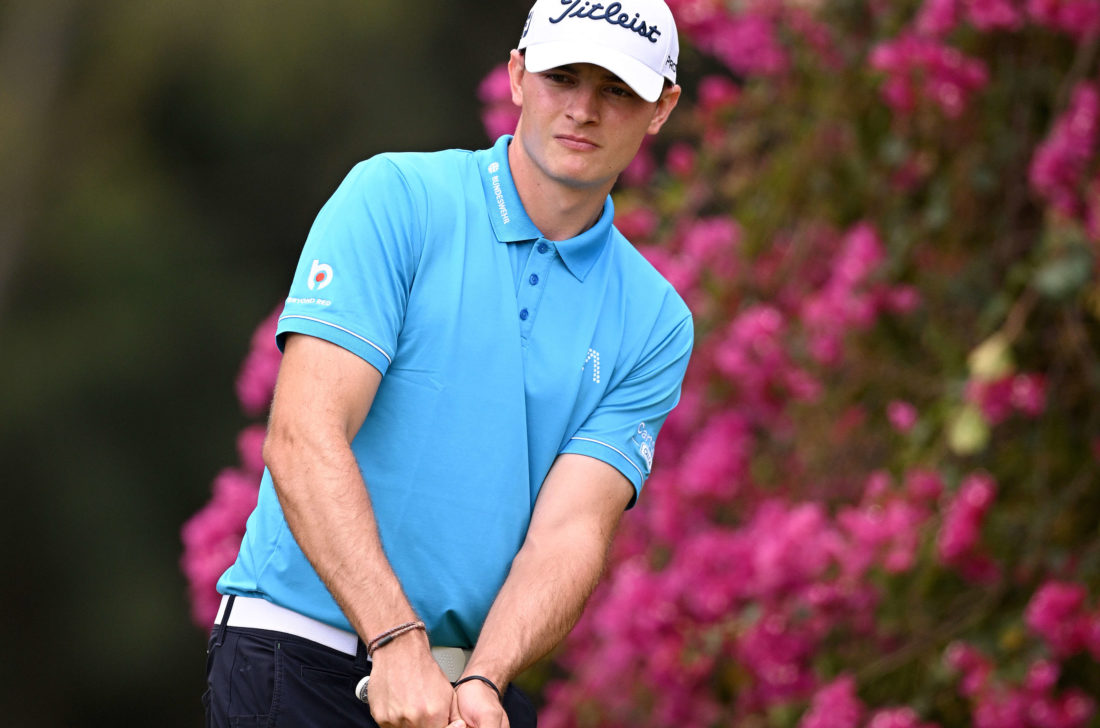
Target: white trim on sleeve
x: 341, y: 328
x: 598, y: 442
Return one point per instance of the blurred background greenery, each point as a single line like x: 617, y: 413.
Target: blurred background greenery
x: 160, y: 165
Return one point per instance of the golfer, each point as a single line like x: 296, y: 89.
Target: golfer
x: 476, y: 369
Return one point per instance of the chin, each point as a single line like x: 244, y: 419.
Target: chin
x: 581, y: 176
x: 580, y: 181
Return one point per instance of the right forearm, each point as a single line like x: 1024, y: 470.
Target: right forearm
x: 328, y: 509
x: 321, y: 400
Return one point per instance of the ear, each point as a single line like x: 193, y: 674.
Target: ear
x: 665, y: 104
x: 516, y: 71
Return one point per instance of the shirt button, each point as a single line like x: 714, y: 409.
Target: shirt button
x: 543, y: 247
x: 534, y: 279
x: 523, y: 315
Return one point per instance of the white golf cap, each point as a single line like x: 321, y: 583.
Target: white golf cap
x: 634, y: 39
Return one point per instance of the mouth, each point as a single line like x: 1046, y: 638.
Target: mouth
x: 578, y: 143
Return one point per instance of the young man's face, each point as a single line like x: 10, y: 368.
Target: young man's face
x: 581, y: 125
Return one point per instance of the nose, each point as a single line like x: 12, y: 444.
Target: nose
x: 583, y: 107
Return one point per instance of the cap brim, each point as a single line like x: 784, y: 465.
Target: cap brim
x: 646, y: 82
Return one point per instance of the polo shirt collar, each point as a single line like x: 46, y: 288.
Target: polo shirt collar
x: 512, y: 225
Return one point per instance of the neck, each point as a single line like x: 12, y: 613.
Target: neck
x: 560, y: 211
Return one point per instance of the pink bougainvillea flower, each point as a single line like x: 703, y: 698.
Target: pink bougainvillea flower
x: 717, y: 93
x: 713, y: 243
x: 958, y: 540
x: 1029, y: 394
x: 717, y: 459
x: 642, y: 168
x: 999, y: 398
x: 988, y: 15
x: 747, y: 42
x: 256, y: 379
x: 938, y: 17
x: 250, y: 443
x: 973, y: 665
x: 993, y: 397
x: 1056, y: 614
x: 844, y: 303
x: 212, y: 537
x: 1059, y: 164
x: 680, y: 160
x: 498, y: 114
x: 923, y: 68
x: 923, y: 486
x: 835, y: 706
x: 637, y: 224
x: 902, y: 415
x: 1078, y: 18
x: 896, y: 718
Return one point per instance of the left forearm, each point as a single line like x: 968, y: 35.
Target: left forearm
x: 552, y: 576
x: 541, y: 600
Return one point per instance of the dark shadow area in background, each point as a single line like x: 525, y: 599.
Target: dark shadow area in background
x: 164, y: 163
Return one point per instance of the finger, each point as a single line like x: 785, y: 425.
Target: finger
x: 457, y: 724
x: 455, y: 713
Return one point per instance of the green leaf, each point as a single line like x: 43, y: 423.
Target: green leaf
x: 1065, y: 276
x: 968, y: 432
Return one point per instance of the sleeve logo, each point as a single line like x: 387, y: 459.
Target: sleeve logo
x: 643, y: 441
x: 320, y: 275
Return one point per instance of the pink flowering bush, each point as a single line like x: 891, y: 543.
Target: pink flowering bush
x: 1061, y: 163
x: 212, y: 536
x: 876, y: 502
x: 919, y: 68
x: 872, y: 507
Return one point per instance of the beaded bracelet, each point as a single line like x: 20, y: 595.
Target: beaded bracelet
x: 485, y: 680
x: 391, y: 634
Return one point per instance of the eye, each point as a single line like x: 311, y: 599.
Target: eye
x: 557, y: 77
x: 622, y: 92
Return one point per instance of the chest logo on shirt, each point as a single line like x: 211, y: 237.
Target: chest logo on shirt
x: 644, y: 442
x: 594, y: 357
x: 320, y: 275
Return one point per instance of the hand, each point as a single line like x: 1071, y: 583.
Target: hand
x: 479, y: 706
x: 408, y: 690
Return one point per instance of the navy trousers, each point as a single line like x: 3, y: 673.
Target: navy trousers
x: 260, y: 678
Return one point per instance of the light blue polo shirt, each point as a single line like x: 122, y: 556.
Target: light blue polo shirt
x: 499, y: 350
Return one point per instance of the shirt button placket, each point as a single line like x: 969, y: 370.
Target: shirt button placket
x: 530, y: 292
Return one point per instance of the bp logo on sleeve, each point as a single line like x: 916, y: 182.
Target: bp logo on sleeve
x: 320, y: 275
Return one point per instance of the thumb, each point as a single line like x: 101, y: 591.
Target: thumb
x: 455, y: 718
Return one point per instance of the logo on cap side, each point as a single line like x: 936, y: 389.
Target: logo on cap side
x: 612, y: 13
x: 527, y: 25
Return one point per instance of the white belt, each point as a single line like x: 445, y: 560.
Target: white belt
x: 255, y: 613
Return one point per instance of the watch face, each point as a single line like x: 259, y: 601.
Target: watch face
x: 361, y: 689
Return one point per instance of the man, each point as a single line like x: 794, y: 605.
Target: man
x: 476, y: 366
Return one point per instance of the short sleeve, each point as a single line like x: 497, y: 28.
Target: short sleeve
x: 352, y: 282
x: 623, y: 429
